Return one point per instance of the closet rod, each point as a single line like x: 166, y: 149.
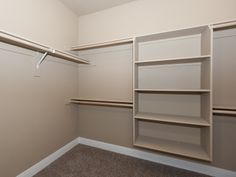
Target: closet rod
x: 28, y: 44
x: 127, y: 104
x: 224, y: 111
x: 103, y: 44
x: 229, y: 24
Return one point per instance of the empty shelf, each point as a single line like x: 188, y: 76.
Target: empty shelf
x: 174, y: 90
x: 192, y: 59
x: 176, y: 119
x: 104, y: 44
x: 173, y: 147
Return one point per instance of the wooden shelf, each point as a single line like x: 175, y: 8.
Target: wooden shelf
x: 103, y: 44
x: 28, y: 44
x: 188, y: 120
x: 166, y: 61
x: 173, y: 34
x: 173, y: 147
x: 174, y: 90
x: 127, y: 104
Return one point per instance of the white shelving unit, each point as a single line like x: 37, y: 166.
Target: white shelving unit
x: 173, y: 92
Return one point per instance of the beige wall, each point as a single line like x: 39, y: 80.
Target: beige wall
x: 35, y: 117
x: 46, y: 21
x: 150, y: 16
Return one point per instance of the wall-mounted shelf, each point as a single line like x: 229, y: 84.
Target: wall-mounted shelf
x: 28, y: 44
x: 103, y: 44
x: 174, y: 90
x: 183, y: 149
x: 188, y: 120
x: 103, y: 103
x: 180, y: 60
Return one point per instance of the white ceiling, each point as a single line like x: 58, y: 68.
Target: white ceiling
x: 83, y: 7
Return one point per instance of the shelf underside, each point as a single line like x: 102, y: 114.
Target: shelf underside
x: 173, y: 147
x: 187, y: 120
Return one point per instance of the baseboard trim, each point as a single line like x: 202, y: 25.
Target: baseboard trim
x: 191, y: 166
x: 48, y: 160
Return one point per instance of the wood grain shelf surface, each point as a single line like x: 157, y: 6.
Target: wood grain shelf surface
x: 173, y: 147
x: 175, y: 119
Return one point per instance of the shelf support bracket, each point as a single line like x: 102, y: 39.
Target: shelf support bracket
x: 41, y: 60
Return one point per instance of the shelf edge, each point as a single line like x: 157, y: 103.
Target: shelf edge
x: 102, y: 44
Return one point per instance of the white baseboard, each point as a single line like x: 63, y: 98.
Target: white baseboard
x: 191, y: 166
x: 48, y: 160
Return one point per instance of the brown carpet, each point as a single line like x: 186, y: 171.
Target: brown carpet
x: 85, y: 161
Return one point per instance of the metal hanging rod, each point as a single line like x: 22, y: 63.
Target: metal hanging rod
x: 13, y: 39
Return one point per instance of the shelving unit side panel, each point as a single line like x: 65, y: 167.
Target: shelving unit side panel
x: 206, y: 74
x: 206, y: 111
x: 134, y: 83
x: 206, y: 141
x: 206, y: 42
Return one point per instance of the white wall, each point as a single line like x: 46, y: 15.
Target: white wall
x: 46, y: 21
x: 150, y: 16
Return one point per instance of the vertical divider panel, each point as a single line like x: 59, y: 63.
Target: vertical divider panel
x: 135, y: 54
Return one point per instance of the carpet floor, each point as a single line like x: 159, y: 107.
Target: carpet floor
x: 85, y: 161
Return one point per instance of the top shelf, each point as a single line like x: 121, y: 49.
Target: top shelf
x: 173, y: 34
x: 103, y: 44
x: 28, y: 44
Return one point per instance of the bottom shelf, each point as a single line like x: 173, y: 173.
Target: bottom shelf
x: 173, y: 147
x: 185, y: 140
